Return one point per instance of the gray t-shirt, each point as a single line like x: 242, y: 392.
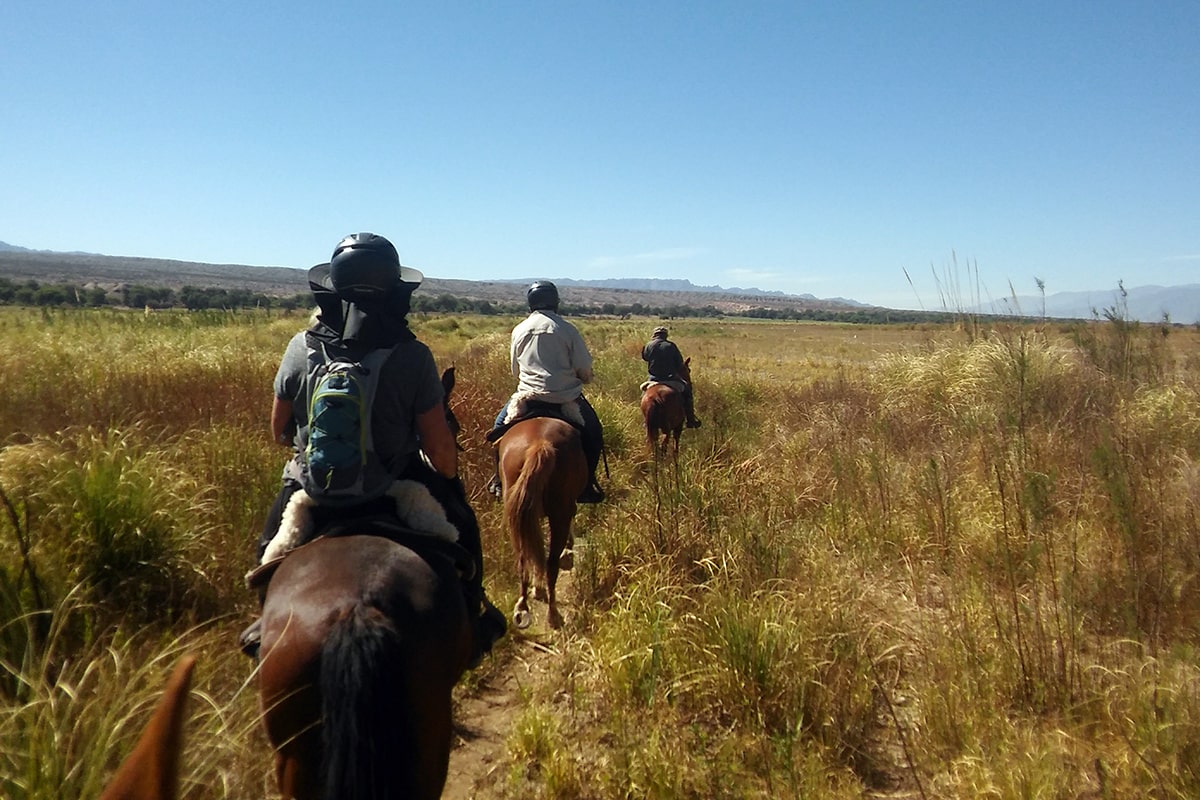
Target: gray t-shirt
x: 408, y: 387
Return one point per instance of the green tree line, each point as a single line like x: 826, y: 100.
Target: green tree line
x: 35, y: 293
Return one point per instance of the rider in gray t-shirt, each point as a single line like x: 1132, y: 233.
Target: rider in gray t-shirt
x: 363, y: 294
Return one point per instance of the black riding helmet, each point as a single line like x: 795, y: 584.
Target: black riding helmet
x: 366, y: 265
x: 542, y: 296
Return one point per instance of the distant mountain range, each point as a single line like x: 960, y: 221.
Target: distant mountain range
x: 1144, y: 303
x: 91, y: 268
x: 1180, y: 304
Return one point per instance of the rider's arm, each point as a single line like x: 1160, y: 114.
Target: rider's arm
x: 281, y: 421
x: 581, y: 359
x: 437, y: 441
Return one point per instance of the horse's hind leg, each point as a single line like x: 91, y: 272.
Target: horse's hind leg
x: 560, y: 534
x: 521, y: 616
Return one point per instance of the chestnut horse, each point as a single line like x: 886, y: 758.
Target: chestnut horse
x: 363, y: 640
x: 664, y: 414
x: 542, y: 472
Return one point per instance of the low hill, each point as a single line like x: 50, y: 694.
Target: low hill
x: 109, y: 271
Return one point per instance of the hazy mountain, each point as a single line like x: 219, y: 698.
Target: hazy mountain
x: 50, y: 266
x: 1143, y: 303
x: 5, y: 247
x: 658, y: 285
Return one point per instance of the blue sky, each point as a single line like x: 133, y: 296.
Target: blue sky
x: 823, y: 148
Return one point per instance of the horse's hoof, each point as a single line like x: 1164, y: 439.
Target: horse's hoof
x: 521, y: 619
x: 566, y: 560
x: 554, y: 619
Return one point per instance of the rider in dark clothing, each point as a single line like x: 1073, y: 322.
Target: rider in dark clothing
x: 665, y: 363
x: 363, y: 294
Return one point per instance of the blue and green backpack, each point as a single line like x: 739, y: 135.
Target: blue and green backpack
x: 338, y: 460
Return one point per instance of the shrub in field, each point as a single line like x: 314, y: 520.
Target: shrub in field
x: 115, y: 515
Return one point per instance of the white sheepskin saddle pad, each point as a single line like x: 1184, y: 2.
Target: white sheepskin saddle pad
x: 518, y: 407
x: 415, y: 507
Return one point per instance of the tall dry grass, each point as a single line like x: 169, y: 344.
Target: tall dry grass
x: 912, y: 562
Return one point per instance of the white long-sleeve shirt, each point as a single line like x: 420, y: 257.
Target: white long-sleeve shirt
x: 550, y: 360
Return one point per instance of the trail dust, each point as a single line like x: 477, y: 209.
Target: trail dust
x: 484, y: 715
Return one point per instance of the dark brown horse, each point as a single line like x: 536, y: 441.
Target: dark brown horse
x: 363, y: 640
x: 664, y: 414
x: 542, y: 471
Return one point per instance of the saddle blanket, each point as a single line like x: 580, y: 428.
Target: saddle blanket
x: 416, y: 508
x: 678, y: 386
x: 518, y: 407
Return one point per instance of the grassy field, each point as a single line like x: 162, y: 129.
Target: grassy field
x: 906, y: 562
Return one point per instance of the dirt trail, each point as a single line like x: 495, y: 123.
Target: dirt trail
x: 484, y: 717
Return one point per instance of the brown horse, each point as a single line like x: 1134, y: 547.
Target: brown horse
x: 664, y: 414
x: 151, y: 770
x: 542, y: 472
x: 363, y: 640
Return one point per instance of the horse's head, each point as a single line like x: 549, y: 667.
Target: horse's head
x: 685, y: 371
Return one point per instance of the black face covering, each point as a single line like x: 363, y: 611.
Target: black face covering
x: 363, y: 324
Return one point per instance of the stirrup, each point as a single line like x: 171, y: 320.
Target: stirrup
x: 250, y: 639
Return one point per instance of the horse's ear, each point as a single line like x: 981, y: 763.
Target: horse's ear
x: 448, y: 381
x: 151, y: 771
x: 687, y: 362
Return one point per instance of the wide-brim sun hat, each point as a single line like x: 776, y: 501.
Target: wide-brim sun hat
x: 320, y: 275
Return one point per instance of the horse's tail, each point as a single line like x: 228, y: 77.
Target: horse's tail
x: 367, y: 744
x: 655, y: 412
x: 650, y: 413
x: 523, y: 503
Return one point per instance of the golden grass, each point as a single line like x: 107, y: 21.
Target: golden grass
x: 898, y: 560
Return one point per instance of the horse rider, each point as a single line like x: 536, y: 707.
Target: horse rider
x: 665, y: 365
x: 363, y: 295
x: 551, y: 363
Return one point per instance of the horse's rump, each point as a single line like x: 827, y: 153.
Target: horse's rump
x: 663, y: 412
x: 544, y: 470
x: 522, y: 408
x: 363, y: 640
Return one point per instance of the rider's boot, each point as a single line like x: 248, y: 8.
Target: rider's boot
x: 251, y: 638
x: 689, y: 407
x: 494, y: 487
x: 592, y: 493
x: 488, y: 622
